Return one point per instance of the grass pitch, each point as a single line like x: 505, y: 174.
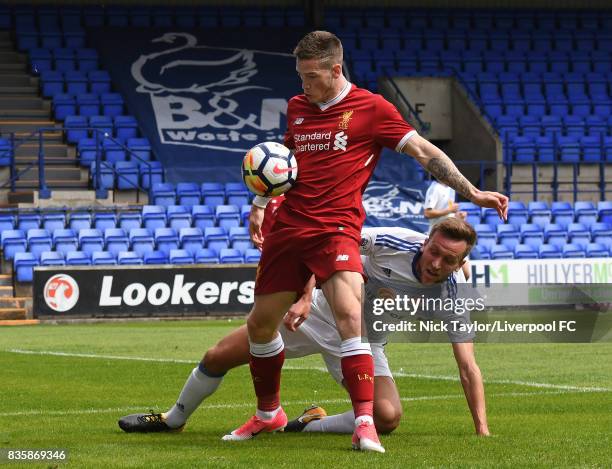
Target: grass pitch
x: 65, y: 386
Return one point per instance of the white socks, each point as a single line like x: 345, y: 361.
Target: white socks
x: 341, y: 423
x: 354, y: 346
x: 198, y: 387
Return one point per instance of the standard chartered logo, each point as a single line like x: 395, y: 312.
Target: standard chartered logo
x: 340, y: 141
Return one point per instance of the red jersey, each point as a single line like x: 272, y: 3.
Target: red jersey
x: 337, y: 145
x: 270, y: 214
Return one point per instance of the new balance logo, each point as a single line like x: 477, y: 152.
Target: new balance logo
x: 340, y: 141
x: 342, y: 257
x: 298, y: 121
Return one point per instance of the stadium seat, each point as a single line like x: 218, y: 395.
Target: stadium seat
x: 104, y: 220
x: 585, y: 212
x: 604, y: 209
x: 141, y: 240
x: 227, y: 216
x: 163, y: 193
x: 112, y: 105
x: 53, y: 221
x: 90, y: 240
x: 549, y: 251
x: 578, y: 233
x: 486, y: 236
x: 99, y: 81
x: 206, y: 256
x: 202, y: 216
x: 230, y: 256
x: 13, y: 241
x: 78, y: 258
x: 213, y: 193
x: 490, y: 217
x: 252, y: 256
x: 28, y: 221
x: 127, y: 175
x: 563, y: 213
x: 23, y: 266
x: 501, y: 252
x: 180, y: 256
x: 573, y: 250
x: 129, y: 258
x: 524, y: 251
x: 140, y: 150
x: 216, y: 238
x: 601, y: 233
x: 191, y: 239
x: 150, y: 171
x: 76, y: 128
x: 178, y: 216
x: 103, y: 258
x: 597, y: 250
x: 39, y: 240
x: 65, y: 240
x: 555, y: 234
x: 153, y: 216
x: 188, y: 193
x: 116, y: 240
x: 166, y: 239
x: 473, y: 212
x: 508, y: 236
x: 539, y: 213
x: 236, y: 193
x: 107, y: 178
x: 532, y: 235
x: 129, y: 220
x: 155, y: 257
x: 7, y: 222
x: 113, y: 151
x: 50, y: 258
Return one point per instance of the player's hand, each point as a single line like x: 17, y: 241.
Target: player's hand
x: 256, y: 218
x: 453, y: 208
x: 492, y: 200
x: 296, y: 315
x: 462, y: 215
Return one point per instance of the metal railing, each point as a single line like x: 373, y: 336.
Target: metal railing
x: 100, y: 136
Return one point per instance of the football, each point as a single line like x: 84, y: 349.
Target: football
x: 269, y: 169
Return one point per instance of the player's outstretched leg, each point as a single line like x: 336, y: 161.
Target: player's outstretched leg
x: 203, y: 381
x: 311, y: 414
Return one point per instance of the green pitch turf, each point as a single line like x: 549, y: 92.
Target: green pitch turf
x: 549, y: 405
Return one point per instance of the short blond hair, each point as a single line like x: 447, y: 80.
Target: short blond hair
x: 456, y: 229
x: 321, y: 45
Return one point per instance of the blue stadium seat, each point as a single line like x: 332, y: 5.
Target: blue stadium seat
x: 191, y: 239
x: 252, y: 256
x: 150, y: 171
x: 87, y: 59
x: 585, y: 212
x: 48, y: 258
x: 65, y: 240
x: 76, y: 82
x: 179, y: 216
x: 28, y: 221
x: 245, y: 211
x: 508, y: 236
x: 129, y: 220
x: 112, y: 105
x: 239, y: 238
x: 236, y: 193
x: 104, y: 220
x: 524, y: 251
x: 86, y: 151
x: 604, y: 209
x: 129, y: 258
x: 597, y: 250
x: 230, y: 256
x: 578, y: 233
x: 206, y: 256
x: 486, y: 236
x: 90, y: 240
x: 601, y: 233
x: 188, y: 193
x: 539, y: 213
x: 180, y: 256
x: 153, y: 216
x: 202, y: 216
x: 141, y: 240
x: 555, y: 234
x: 127, y: 175
x: 563, y: 213
x: 216, y: 238
x: 155, y: 257
x: 573, y: 250
x: 227, y: 216
x: 103, y: 258
x: 499, y: 251
x: 113, y: 152
x: 99, y: 81
x: 13, y: 241
x: 166, y: 239
x: 78, y: 258
x: 490, y: 217
x: 102, y: 124
x: 76, y: 128
x: 213, y: 193
x: 164, y: 193
x: 532, y: 235
x: 517, y: 213
x: 88, y: 104
x: 549, y: 251
x: 140, y: 150
x: 7, y: 222
x: 23, y: 266
x: 39, y: 240
x: 116, y: 240
x: 53, y: 221
x: 107, y: 178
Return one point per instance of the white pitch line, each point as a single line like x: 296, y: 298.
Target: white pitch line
x: 62, y: 413
x: 564, y: 387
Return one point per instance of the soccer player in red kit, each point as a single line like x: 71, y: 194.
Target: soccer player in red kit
x: 337, y: 132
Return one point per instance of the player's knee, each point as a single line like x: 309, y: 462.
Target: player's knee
x: 260, y: 329
x: 387, y: 418
x: 213, y: 360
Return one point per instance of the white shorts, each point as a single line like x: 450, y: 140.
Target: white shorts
x: 318, y: 334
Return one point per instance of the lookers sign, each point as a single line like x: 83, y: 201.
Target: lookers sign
x: 143, y: 290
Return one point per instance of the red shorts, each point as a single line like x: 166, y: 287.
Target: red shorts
x: 289, y: 258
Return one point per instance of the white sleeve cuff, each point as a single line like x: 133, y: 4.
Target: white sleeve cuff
x: 404, y: 139
x: 260, y: 201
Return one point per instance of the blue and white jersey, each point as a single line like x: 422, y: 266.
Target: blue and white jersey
x: 389, y: 257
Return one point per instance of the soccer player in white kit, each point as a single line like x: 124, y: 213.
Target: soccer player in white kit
x: 396, y: 261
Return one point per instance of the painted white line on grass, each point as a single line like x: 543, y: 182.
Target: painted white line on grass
x: 238, y: 405
x: 401, y: 374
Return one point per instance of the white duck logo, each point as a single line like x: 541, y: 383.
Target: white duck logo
x: 197, y: 91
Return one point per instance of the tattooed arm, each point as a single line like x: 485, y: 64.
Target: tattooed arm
x: 439, y: 165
